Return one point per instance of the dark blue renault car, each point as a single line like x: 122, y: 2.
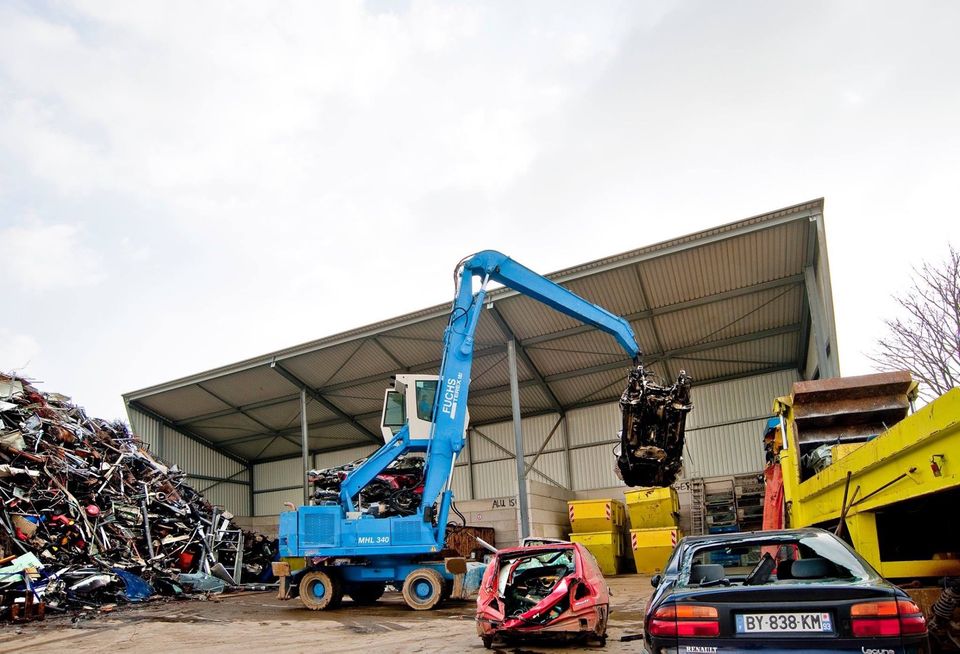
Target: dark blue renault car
x: 793, y: 590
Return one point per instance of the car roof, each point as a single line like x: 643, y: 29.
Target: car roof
x: 548, y: 547
x: 753, y: 536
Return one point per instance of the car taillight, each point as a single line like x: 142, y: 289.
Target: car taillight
x: 687, y: 620
x: 887, y: 618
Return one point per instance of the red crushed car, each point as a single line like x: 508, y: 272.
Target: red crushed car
x: 546, y: 591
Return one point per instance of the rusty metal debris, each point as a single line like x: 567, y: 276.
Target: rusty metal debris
x: 89, y: 517
x: 395, y: 491
x: 654, y: 416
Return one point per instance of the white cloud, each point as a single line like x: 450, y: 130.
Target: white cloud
x: 38, y: 257
x: 218, y: 179
x: 16, y: 350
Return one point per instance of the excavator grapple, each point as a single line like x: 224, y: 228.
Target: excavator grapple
x: 651, y: 442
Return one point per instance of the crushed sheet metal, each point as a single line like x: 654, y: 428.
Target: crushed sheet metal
x: 89, y: 517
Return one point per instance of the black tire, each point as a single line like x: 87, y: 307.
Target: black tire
x: 365, y: 593
x: 487, y: 641
x: 319, y: 590
x: 423, y: 589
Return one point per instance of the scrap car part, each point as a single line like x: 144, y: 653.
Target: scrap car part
x: 534, y: 592
x: 654, y: 417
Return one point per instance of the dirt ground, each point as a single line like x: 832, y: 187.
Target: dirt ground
x: 258, y: 622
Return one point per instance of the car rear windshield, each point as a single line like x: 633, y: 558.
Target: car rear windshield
x: 811, y: 558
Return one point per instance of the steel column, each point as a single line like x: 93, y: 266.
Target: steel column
x: 518, y: 440
x: 473, y: 486
x: 304, y: 444
x: 252, y: 498
x: 820, y: 333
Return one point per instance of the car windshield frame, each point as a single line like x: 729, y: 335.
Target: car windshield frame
x: 824, y: 545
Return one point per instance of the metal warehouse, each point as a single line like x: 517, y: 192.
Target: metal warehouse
x: 745, y: 308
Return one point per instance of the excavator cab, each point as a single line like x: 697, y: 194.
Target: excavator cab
x: 410, y: 402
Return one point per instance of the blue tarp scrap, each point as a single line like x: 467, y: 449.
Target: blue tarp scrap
x: 136, y: 589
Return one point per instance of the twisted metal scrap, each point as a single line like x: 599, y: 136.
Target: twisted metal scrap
x: 651, y: 443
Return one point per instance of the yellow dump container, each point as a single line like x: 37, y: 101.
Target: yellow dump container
x: 653, y: 507
x: 607, y: 547
x: 588, y: 516
x: 842, y: 449
x: 652, y: 547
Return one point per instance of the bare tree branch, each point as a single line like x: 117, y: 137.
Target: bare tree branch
x: 925, y: 338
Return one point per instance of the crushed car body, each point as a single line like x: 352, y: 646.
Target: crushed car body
x: 545, y: 591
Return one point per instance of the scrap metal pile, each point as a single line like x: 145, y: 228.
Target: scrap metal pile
x: 654, y: 416
x: 88, y: 517
x: 397, y: 490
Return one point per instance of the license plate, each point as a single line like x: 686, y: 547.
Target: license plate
x: 773, y: 623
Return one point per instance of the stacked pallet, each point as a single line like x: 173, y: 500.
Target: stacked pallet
x: 654, y: 516
x: 749, y: 492
x: 599, y: 525
x: 720, y: 504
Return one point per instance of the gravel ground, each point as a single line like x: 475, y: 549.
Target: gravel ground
x: 258, y: 622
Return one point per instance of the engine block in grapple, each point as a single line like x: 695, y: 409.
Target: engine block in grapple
x: 651, y: 443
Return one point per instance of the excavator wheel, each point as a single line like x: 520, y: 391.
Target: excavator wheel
x: 365, y: 593
x: 319, y: 590
x: 423, y: 589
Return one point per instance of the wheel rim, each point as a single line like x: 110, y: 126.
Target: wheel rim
x: 423, y: 589
x: 318, y: 589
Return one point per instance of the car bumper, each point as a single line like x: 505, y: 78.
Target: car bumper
x: 589, y: 621
x: 865, y: 647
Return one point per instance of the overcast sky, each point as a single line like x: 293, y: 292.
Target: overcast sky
x: 187, y: 184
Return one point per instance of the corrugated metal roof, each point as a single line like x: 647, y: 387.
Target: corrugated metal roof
x: 722, y: 303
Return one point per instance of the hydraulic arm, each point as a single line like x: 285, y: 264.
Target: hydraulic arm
x: 449, y: 407
x: 337, y: 547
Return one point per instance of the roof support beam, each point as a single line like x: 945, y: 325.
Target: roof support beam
x: 804, y: 211
x: 136, y: 406
x: 660, y: 356
x: 525, y: 343
x: 528, y: 383
x: 543, y: 412
x: 270, y: 430
x: 792, y: 280
x: 242, y: 408
x: 653, y: 325
x: 521, y: 354
x: 315, y: 395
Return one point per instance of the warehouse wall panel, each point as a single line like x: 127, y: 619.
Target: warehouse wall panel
x: 750, y: 397
x: 235, y: 498
x: 341, y: 457
x: 594, y: 424
x: 277, y: 474
x: 721, y: 451
x: 549, y: 468
x: 483, y: 449
x: 593, y: 467
x: 461, y: 483
x: 272, y: 503
x: 495, y: 479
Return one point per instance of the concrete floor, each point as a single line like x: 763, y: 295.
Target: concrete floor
x: 258, y: 622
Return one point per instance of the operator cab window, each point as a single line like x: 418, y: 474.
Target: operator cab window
x: 394, y: 415
x: 426, y: 390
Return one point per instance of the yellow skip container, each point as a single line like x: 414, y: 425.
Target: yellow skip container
x: 587, y: 516
x: 607, y: 547
x: 653, y: 507
x: 652, y: 547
